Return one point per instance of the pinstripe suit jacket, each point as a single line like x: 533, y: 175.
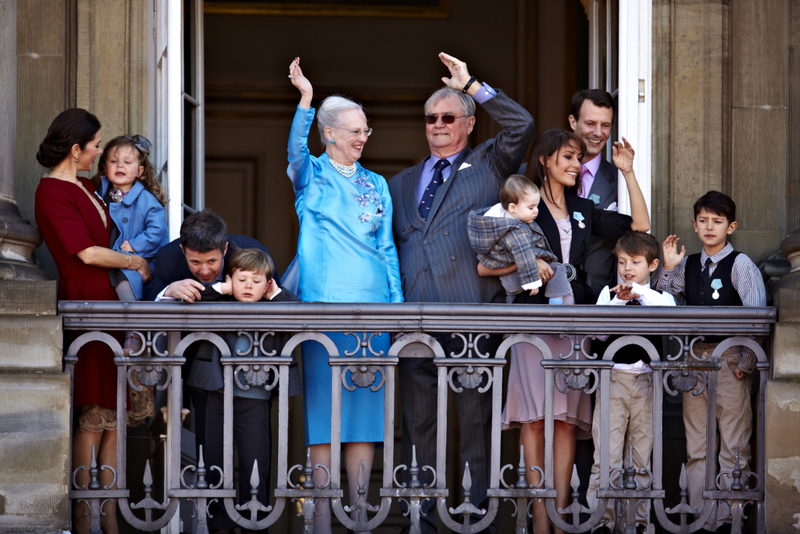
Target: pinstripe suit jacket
x: 437, y: 263
x: 600, y: 261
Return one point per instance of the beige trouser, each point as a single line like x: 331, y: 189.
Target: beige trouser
x: 735, y: 420
x: 630, y: 423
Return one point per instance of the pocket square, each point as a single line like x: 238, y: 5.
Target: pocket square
x: 464, y: 165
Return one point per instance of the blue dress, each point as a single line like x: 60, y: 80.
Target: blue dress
x: 345, y: 253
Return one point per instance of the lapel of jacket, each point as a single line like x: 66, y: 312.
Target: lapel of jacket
x: 445, y: 187
x: 549, y: 228
x: 408, y: 195
x: 578, y: 233
x: 605, y: 184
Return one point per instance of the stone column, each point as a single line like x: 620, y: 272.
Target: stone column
x: 18, y: 239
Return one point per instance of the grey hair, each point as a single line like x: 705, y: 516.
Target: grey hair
x: 466, y: 101
x: 329, y: 113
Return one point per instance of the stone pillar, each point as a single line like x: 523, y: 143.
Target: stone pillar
x: 783, y: 401
x: 18, y: 239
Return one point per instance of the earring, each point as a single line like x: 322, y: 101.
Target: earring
x: 332, y: 142
x: 76, y: 160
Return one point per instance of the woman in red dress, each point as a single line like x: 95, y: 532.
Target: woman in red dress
x: 76, y: 225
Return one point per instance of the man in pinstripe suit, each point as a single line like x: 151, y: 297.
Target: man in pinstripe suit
x: 437, y: 264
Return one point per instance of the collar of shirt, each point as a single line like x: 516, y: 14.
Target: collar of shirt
x: 593, y: 165
x: 276, y: 293
x: 588, y: 172
x: 426, y: 175
x: 718, y: 257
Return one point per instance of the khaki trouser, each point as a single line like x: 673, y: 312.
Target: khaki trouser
x: 735, y: 421
x: 630, y: 423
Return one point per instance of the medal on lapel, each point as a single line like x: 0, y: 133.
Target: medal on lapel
x: 594, y: 197
x: 716, y: 284
x: 578, y: 216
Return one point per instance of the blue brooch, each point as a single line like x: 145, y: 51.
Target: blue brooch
x: 578, y: 216
x: 594, y: 197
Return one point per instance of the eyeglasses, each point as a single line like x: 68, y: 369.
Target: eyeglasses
x: 357, y: 133
x: 447, y: 119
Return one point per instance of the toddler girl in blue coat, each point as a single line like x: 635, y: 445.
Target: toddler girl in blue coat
x: 127, y: 182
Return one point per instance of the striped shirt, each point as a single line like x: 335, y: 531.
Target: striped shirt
x: 745, y: 277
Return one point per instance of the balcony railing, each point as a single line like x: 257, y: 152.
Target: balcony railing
x: 161, y: 365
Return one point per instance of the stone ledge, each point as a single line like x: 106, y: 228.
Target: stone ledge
x: 786, y: 343
x: 19, y: 297
x: 31, y: 344
x: 35, y: 421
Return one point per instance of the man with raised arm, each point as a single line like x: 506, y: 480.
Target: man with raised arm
x: 437, y: 264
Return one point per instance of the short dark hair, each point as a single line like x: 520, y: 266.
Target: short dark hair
x: 635, y: 243
x: 718, y: 204
x: 598, y: 97
x: 513, y: 188
x: 547, y: 143
x: 203, y: 232
x: 72, y: 127
x: 253, y: 260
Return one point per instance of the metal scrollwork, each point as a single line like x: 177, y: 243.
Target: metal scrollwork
x: 684, y: 381
x: 470, y: 377
x: 256, y: 375
x: 364, y: 344
x: 363, y: 376
x: 256, y: 344
x: 577, y: 378
x: 470, y: 346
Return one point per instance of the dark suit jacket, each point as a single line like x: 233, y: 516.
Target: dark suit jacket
x: 600, y: 261
x: 597, y: 223
x: 169, y: 265
x: 437, y: 263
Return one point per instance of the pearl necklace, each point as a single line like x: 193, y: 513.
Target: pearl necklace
x: 345, y: 170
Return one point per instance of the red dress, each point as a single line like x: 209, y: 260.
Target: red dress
x: 70, y: 222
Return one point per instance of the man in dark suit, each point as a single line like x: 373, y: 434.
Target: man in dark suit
x: 183, y: 269
x: 592, y: 116
x: 437, y: 264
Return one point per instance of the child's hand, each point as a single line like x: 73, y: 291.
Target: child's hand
x: 226, y: 287
x: 740, y: 375
x: 534, y: 291
x: 672, y: 258
x: 625, y: 292
x: 126, y: 247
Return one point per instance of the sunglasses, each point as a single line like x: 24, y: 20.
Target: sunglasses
x: 446, y: 119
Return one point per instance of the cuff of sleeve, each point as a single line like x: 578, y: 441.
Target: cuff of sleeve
x: 161, y: 296
x: 484, y: 94
x: 532, y: 285
x: 747, y: 362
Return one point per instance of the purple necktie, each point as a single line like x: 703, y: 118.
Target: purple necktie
x: 430, y: 191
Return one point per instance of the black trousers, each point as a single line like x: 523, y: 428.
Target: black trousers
x: 418, y: 395
x: 252, y: 438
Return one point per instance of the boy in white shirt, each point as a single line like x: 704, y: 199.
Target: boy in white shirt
x: 631, y: 393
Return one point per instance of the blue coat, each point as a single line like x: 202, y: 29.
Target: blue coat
x: 142, y: 222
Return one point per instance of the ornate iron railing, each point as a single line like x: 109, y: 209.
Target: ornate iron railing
x: 470, y: 368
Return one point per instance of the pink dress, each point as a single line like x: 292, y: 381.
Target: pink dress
x: 525, y: 396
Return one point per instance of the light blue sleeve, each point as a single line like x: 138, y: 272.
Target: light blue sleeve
x: 386, y: 243
x: 301, y: 164
x: 154, y: 235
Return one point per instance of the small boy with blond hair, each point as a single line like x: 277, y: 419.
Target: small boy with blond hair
x: 631, y: 391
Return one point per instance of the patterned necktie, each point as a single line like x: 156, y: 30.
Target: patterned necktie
x: 706, y: 274
x: 430, y: 191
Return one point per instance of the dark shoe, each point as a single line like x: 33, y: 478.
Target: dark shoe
x: 132, y: 345
x: 603, y: 530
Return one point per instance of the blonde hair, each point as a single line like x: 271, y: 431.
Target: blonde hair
x: 148, y: 177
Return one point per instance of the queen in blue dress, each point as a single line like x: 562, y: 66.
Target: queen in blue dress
x: 345, y: 253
